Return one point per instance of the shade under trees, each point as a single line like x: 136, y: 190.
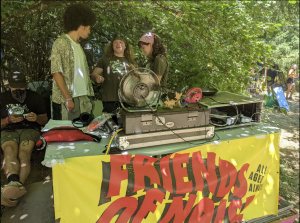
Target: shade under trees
x: 209, y: 43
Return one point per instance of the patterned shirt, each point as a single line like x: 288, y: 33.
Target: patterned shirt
x: 62, y: 60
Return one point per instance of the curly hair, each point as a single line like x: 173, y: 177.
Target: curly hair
x: 128, y: 53
x: 77, y: 15
x: 157, y: 47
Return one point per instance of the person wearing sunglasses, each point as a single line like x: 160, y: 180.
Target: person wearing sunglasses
x: 152, y: 47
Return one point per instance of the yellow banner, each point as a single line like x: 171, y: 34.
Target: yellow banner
x: 229, y: 181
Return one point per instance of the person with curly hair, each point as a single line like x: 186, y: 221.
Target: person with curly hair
x: 117, y: 61
x: 71, y: 85
x: 153, y: 48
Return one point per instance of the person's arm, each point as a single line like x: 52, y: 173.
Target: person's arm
x: 10, y: 119
x: 41, y: 119
x: 58, y: 50
x: 61, y: 85
x: 160, y: 66
x: 3, y: 123
x: 290, y: 73
x: 276, y: 76
x: 100, y: 66
x: 96, y: 75
x: 64, y: 90
x: 296, y: 75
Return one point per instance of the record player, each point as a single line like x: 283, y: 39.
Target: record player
x: 145, y: 123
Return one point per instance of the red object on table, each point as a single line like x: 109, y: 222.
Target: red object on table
x: 66, y: 134
x: 194, y: 95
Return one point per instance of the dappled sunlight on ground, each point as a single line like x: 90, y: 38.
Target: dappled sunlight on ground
x: 289, y: 148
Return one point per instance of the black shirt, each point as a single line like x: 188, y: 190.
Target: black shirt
x: 272, y: 74
x: 33, y: 102
x: 114, y: 68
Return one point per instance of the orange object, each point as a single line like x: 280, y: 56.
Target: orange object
x: 91, y: 126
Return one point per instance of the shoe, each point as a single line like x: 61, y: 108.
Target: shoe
x: 292, y: 99
x: 13, y: 190
x: 8, y: 202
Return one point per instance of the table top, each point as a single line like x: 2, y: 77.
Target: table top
x: 223, y: 98
x: 57, y: 152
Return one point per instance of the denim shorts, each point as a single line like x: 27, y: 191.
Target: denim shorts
x: 290, y: 81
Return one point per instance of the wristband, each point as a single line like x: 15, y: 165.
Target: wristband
x: 7, y: 120
x: 70, y: 99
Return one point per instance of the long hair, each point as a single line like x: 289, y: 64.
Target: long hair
x: 128, y: 53
x: 157, y: 47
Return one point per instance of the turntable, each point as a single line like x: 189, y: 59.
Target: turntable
x: 145, y: 123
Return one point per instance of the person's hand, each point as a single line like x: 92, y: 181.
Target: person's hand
x: 31, y: 117
x: 99, y: 79
x: 159, y: 77
x: 14, y: 119
x: 70, y: 105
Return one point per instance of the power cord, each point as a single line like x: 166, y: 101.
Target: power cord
x: 108, y: 147
x: 163, y: 122
x: 233, y: 105
x: 251, y: 119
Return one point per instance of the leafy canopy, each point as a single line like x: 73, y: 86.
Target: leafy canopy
x: 209, y: 43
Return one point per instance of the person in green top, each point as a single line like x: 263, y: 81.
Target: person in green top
x: 117, y: 61
x: 152, y: 47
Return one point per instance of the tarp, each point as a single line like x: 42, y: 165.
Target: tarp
x: 229, y: 181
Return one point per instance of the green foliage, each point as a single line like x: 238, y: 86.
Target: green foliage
x: 285, y: 38
x: 209, y: 43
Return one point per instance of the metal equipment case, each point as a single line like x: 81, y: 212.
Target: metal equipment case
x: 227, y: 103
x: 163, y: 137
x: 177, y: 118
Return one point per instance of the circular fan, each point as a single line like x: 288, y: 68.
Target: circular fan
x: 139, y: 87
x: 193, y: 95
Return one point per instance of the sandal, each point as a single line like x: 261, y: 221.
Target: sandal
x: 292, y: 99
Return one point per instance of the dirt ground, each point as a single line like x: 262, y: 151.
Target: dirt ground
x: 289, y: 148
x: 289, y: 153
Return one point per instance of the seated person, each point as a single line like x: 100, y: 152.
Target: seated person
x: 117, y: 61
x: 23, y: 112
